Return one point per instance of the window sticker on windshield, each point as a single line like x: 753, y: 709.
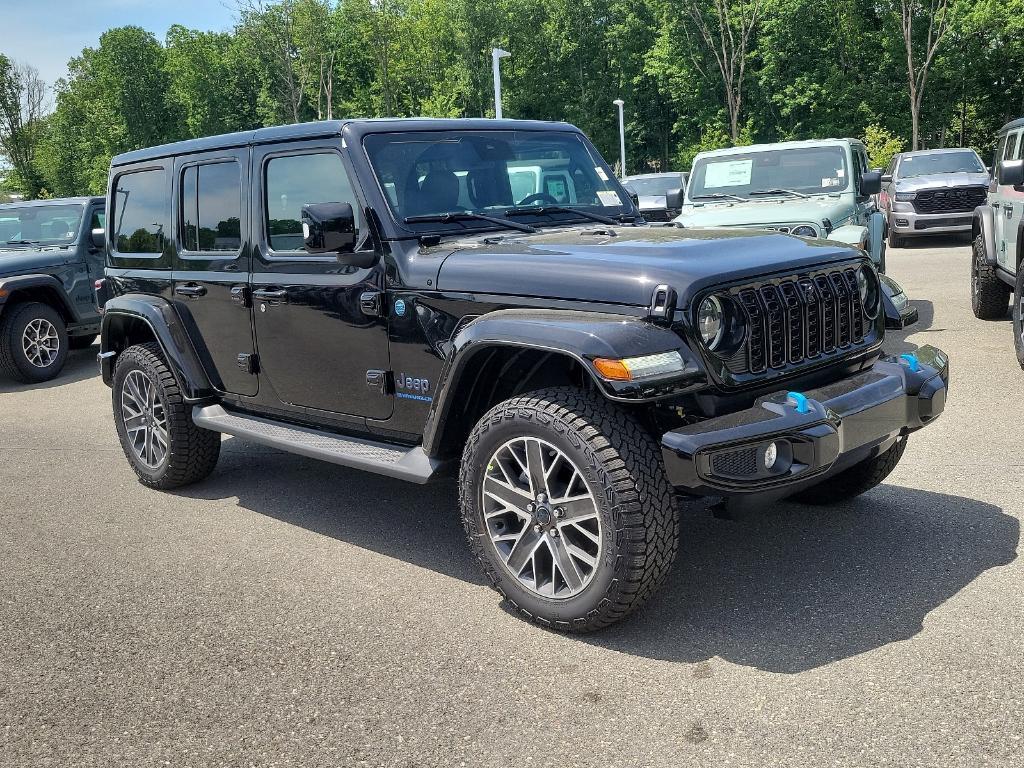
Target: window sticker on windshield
x: 840, y: 172
x: 607, y: 198
x: 600, y: 172
x: 732, y: 173
x: 830, y: 182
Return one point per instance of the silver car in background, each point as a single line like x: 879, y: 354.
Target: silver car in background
x: 933, y: 191
x: 652, y: 190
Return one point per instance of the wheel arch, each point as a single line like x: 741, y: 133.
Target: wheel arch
x: 982, y: 224
x: 45, y: 289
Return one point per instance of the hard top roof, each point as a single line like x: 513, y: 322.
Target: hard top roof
x: 1019, y: 122
x: 804, y: 144
x: 51, y: 201
x: 327, y: 128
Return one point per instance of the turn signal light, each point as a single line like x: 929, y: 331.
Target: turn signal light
x: 634, y: 368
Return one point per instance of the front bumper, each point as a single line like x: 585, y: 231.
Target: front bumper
x: 837, y: 426
x: 912, y: 223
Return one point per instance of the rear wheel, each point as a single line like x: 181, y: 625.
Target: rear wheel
x: 158, y: 437
x: 856, y: 480
x: 989, y: 294
x: 33, y: 343
x: 567, y: 508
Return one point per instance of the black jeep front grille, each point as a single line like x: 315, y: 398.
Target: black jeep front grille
x: 952, y: 200
x: 799, y: 319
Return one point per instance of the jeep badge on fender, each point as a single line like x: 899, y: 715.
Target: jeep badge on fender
x: 579, y: 371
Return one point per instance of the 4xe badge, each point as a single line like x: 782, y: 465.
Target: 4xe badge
x: 410, y: 388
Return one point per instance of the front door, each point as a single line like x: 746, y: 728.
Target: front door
x: 317, y: 333
x: 211, y: 264
x: 1012, y: 205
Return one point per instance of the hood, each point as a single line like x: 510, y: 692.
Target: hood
x: 588, y: 264
x: 942, y: 181
x: 774, y: 210
x: 23, y: 260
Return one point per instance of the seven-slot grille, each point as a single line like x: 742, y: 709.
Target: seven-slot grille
x: 800, y: 318
x: 956, y: 199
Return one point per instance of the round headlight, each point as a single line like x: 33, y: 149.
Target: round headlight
x: 710, y: 321
x: 867, y: 287
x: 804, y: 231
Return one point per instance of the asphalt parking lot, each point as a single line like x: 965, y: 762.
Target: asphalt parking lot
x: 287, y: 612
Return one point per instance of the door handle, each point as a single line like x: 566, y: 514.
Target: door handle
x: 191, y: 290
x: 1008, y: 208
x: 270, y: 294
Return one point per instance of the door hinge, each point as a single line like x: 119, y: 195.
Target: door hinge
x: 369, y: 303
x: 379, y: 380
x: 663, y: 304
x: 249, y: 362
x: 241, y: 295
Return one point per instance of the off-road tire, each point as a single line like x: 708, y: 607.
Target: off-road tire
x: 192, y: 452
x: 13, y: 362
x: 856, y: 480
x: 622, y: 466
x: 82, y: 342
x: 989, y: 294
x: 1018, y: 321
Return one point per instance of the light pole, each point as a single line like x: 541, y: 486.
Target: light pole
x: 497, y: 55
x: 622, y: 140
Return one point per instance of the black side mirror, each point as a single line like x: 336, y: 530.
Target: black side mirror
x: 870, y: 183
x: 98, y: 239
x: 1011, y: 173
x: 328, y: 228
x: 674, y: 199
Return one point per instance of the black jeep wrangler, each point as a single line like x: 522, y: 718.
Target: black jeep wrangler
x: 49, y: 261
x: 417, y: 296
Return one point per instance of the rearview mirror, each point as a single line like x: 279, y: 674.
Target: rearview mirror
x: 674, y: 199
x: 1011, y: 173
x: 328, y: 227
x: 870, y: 183
x: 98, y: 238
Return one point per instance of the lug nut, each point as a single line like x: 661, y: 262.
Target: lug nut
x: 559, y: 512
x: 537, y: 528
x: 541, y: 498
x: 530, y: 508
x: 554, y: 533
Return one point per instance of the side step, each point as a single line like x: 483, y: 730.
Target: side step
x: 410, y: 464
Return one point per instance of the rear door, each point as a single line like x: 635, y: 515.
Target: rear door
x: 211, y: 264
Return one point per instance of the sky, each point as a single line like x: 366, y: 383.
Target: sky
x: 46, y: 33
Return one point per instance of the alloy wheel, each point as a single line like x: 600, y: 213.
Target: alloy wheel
x: 145, y: 419
x: 541, y: 518
x: 40, y: 342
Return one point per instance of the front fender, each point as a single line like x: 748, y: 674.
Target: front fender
x: 984, y: 225
x: 579, y: 335
x: 120, y: 329
x: 11, y: 285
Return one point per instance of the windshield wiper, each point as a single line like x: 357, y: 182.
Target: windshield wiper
x: 777, y: 192
x: 21, y: 242
x: 542, y: 209
x: 718, y: 196
x: 451, y: 216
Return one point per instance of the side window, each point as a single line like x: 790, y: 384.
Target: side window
x: 140, y: 212
x: 292, y: 181
x: 98, y: 219
x: 858, y: 169
x: 1000, y: 149
x: 211, y: 207
x: 1020, y: 147
x: 1011, y: 144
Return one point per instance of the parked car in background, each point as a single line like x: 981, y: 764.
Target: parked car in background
x: 48, y: 263
x: 652, y: 190
x: 998, y: 230
x: 932, y: 192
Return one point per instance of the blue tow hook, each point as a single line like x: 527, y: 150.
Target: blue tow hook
x: 798, y: 401
x: 911, y: 361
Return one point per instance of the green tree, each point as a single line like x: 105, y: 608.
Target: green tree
x: 22, y: 108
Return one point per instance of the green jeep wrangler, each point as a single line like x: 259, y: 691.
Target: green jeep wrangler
x: 998, y: 232
x: 821, y: 188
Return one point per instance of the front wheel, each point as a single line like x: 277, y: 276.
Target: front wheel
x: 1018, y: 317
x: 567, y: 508
x: 158, y: 437
x: 858, y: 479
x: 989, y: 294
x: 33, y: 343
x: 896, y: 241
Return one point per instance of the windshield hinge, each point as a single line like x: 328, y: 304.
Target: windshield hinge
x: 663, y: 304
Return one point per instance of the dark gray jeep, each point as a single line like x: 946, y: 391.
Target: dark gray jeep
x: 48, y: 263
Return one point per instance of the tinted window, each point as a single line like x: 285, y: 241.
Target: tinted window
x: 211, y: 207
x: 654, y: 185
x: 39, y: 224
x: 140, y: 212
x: 296, y: 180
x: 1020, y: 146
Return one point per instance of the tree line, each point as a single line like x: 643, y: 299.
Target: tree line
x: 695, y: 74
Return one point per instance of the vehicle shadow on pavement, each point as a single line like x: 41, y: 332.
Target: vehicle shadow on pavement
x: 800, y: 587
x: 81, y: 365
x: 896, y: 341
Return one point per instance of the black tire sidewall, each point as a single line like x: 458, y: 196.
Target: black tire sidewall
x: 521, y: 423
x: 23, y: 315
x: 1018, y: 321
x: 128, y: 362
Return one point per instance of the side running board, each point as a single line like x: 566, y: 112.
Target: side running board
x: 410, y: 464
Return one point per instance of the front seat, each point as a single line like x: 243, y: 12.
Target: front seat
x: 439, y: 192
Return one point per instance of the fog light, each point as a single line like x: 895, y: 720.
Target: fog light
x: 771, y: 453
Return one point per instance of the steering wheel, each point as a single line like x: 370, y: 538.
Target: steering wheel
x: 538, y: 197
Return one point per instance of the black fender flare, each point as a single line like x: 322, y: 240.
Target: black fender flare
x: 983, y: 224
x: 576, y: 334
x: 10, y: 285
x: 157, y: 314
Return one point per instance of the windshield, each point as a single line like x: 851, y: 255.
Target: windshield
x: 654, y: 185
x: 807, y: 170
x: 39, y: 224
x: 939, y: 162
x: 427, y: 173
